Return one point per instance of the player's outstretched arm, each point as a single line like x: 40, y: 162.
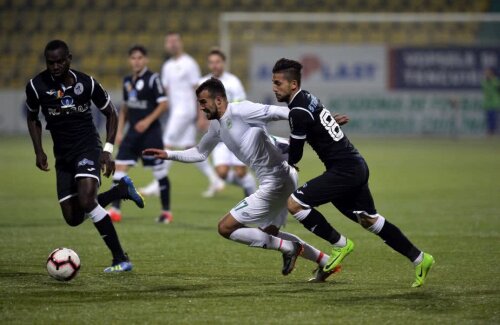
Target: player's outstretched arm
x: 35, y: 130
x: 191, y: 155
x: 155, y: 153
x: 107, y: 162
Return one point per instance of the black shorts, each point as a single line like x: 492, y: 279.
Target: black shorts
x: 345, y: 187
x: 134, y: 143
x: 68, y: 170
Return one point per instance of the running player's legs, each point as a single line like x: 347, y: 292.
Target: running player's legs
x: 126, y: 158
x: 232, y: 170
x: 180, y: 132
x: 67, y: 194
x: 331, y: 185
x: 160, y: 172
x: 264, y: 208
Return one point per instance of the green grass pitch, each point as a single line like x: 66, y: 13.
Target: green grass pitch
x: 444, y: 194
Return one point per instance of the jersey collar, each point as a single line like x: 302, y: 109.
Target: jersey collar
x: 292, y: 99
x: 143, y: 71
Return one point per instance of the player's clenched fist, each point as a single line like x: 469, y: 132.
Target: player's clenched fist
x: 156, y: 153
x: 41, y: 162
x: 107, y: 164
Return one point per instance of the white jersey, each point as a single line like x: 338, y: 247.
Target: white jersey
x: 234, y: 89
x: 242, y: 130
x: 180, y: 76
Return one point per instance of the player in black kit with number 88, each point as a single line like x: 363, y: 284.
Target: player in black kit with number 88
x: 345, y: 181
x: 65, y: 97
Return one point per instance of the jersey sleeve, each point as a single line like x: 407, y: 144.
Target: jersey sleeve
x: 194, y: 73
x: 32, y: 99
x: 262, y: 114
x: 99, y: 96
x: 125, y: 92
x: 164, y: 76
x: 300, y: 119
x: 238, y: 91
x: 201, y: 151
x: 157, y: 88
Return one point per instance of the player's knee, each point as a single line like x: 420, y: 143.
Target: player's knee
x: 271, y: 230
x: 366, y: 220
x: 293, y: 206
x: 87, y: 202
x: 240, y: 171
x: 222, y: 171
x: 223, y: 230
x: 73, y: 219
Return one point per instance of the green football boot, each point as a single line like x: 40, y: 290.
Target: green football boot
x: 337, y: 255
x: 422, y: 269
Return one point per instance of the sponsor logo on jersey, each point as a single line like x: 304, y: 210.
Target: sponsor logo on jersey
x: 229, y: 124
x: 139, y: 84
x: 57, y: 93
x: 85, y: 162
x: 67, y: 102
x: 78, y: 89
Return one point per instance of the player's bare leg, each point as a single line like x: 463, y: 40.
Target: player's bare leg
x: 230, y: 228
x: 85, y: 204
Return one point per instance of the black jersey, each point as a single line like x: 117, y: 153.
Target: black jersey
x: 311, y: 121
x: 142, y: 95
x: 67, y: 110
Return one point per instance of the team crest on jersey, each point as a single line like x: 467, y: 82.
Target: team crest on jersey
x: 85, y: 162
x: 67, y: 102
x: 139, y: 84
x: 229, y: 124
x: 78, y: 89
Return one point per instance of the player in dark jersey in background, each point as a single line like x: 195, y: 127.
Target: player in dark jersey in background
x: 65, y: 97
x: 144, y: 102
x: 345, y: 181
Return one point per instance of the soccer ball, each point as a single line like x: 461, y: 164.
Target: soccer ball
x: 63, y: 264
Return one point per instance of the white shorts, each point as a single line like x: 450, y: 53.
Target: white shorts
x: 268, y: 205
x: 180, y: 131
x: 221, y: 155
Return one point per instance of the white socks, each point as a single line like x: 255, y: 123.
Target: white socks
x: 119, y: 175
x: 254, y: 237
x: 208, y: 171
x: 97, y: 214
x: 341, y: 242
x: 378, y: 225
x: 419, y: 259
x: 310, y: 252
x: 247, y: 182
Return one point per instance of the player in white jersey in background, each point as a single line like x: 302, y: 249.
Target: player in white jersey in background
x: 242, y: 127
x: 227, y: 166
x: 180, y: 75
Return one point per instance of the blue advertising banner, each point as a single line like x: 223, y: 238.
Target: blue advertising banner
x: 440, y: 68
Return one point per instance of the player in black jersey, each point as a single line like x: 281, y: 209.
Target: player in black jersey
x: 345, y: 181
x: 65, y: 98
x: 144, y: 102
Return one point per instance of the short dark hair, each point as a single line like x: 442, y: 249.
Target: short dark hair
x: 214, y: 87
x: 216, y: 51
x: 290, y: 68
x: 55, y: 45
x: 138, y: 48
x: 174, y: 32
